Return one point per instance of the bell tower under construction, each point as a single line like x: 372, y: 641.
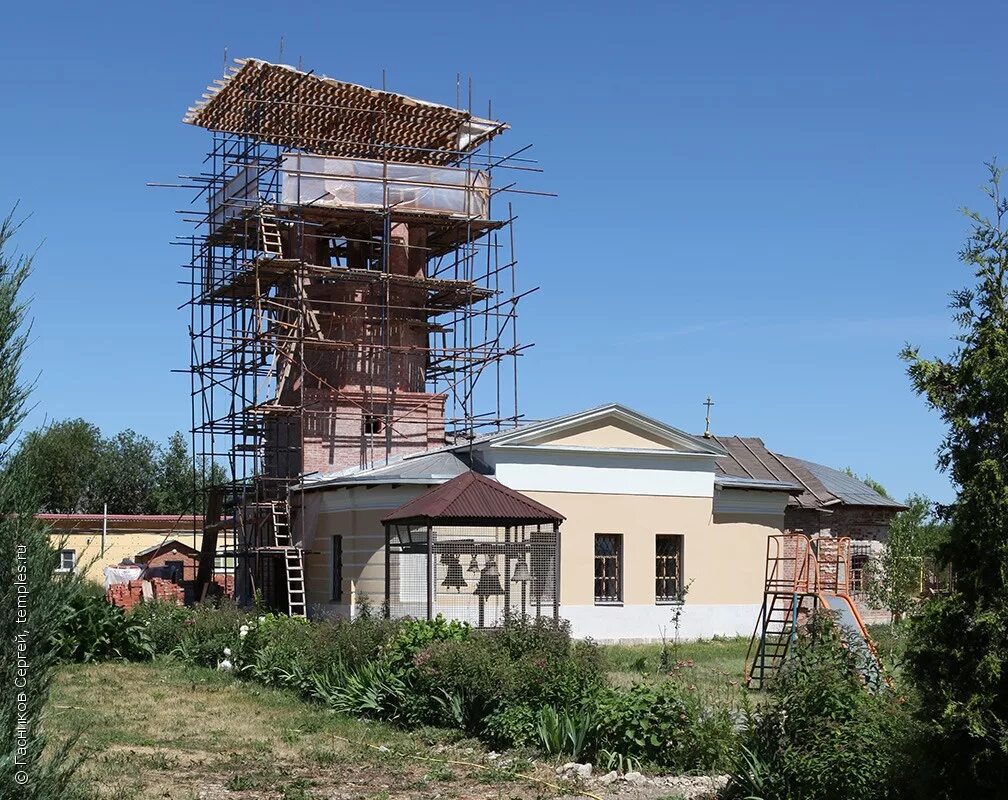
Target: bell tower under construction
x: 354, y: 295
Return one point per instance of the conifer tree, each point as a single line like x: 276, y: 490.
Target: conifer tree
x: 958, y: 646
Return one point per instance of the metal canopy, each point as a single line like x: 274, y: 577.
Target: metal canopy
x: 475, y: 499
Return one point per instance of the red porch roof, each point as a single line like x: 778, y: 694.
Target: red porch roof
x: 474, y: 498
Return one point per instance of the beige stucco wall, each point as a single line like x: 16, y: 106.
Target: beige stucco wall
x: 363, y: 559
x: 604, y: 436
x: 118, y: 545
x: 725, y: 560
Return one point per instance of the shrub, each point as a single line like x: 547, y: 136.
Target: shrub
x: 164, y: 623
x: 413, y: 635
x: 92, y: 629
x: 465, y: 681
x: 354, y: 642
x: 513, y: 725
x: 563, y: 679
x: 207, y: 632
x: 275, y: 649
x: 664, y: 726
x: 821, y: 735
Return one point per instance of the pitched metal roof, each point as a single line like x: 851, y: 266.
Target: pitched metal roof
x: 822, y: 486
x: 690, y: 444
x: 435, y: 467
x: 731, y: 482
x: 474, y: 498
x: 843, y: 486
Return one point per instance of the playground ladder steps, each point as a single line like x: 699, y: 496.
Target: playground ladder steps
x: 776, y: 630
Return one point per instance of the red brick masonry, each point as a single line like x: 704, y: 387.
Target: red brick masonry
x: 128, y: 595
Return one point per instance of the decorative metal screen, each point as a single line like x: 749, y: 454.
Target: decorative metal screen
x: 608, y: 567
x: 668, y: 567
x: 479, y: 575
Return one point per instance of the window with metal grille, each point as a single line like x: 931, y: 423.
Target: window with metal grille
x: 860, y: 565
x: 67, y: 561
x: 337, y: 568
x: 608, y: 567
x: 668, y: 568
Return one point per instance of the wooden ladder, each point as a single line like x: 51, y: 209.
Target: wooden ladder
x: 292, y: 556
x: 269, y: 235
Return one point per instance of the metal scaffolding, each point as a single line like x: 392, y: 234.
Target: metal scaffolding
x: 353, y: 300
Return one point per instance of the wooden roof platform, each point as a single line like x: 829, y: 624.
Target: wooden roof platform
x: 444, y: 232
x: 291, y: 108
x: 258, y: 277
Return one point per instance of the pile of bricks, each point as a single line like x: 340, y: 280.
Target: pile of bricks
x: 130, y: 594
x: 226, y: 584
x: 168, y: 591
x: 125, y: 595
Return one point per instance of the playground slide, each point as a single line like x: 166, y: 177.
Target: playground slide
x: 850, y: 621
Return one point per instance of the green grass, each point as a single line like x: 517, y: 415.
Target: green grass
x: 707, y: 663
x: 714, y: 664
x: 209, y: 733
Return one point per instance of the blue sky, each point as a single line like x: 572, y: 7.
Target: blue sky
x: 755, y: 201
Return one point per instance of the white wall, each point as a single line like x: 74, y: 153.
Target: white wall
x: 549, y: 469
x: 605, y: 623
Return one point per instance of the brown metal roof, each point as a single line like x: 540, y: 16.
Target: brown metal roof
x: 748, y: 457
x: 474, y: 498
x: 295, y: 109
x: 823, y: 486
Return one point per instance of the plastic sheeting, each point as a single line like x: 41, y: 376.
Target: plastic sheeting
x: 346, y: 182
x: 240, y: 193
x: 121, y: 575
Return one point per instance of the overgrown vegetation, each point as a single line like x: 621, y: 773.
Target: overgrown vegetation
x: 958, y: 644
x: 527, y: 684
x: 896, y: 575
x: 31, y: 600
x: 91, y: 629
x: 821, y: 734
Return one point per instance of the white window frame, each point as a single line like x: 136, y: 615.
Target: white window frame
x: 62, y: 568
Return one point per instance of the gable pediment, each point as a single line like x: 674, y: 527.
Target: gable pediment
x: 610, y: 428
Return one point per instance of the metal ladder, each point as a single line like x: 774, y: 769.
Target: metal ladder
x: 791, y: 578
x: 777, y: 632
x: 292, y: 557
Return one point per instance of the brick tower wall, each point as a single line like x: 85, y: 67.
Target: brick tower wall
x: 361, y: 396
